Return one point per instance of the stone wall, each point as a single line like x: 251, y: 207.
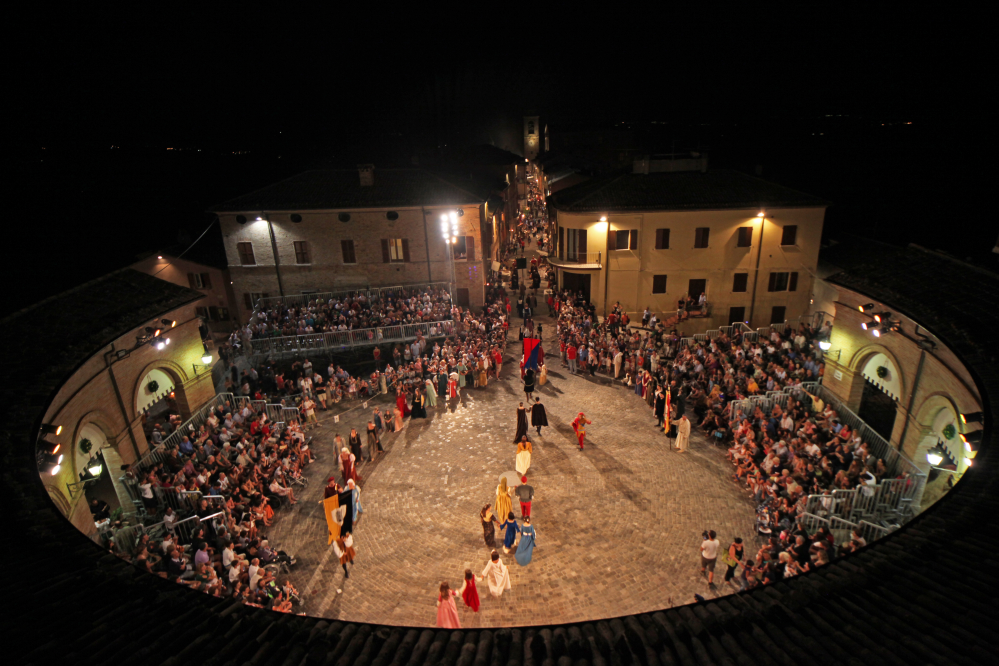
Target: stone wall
x: 325, y: 268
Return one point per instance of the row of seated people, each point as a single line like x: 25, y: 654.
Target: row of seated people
x: 219, y: 491
x: 356, y: 312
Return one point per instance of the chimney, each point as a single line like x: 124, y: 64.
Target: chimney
x: 367, y: 172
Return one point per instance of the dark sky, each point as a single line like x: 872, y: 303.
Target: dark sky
x: 334, y: 89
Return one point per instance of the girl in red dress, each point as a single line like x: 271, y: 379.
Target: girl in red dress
x: 469, y: 593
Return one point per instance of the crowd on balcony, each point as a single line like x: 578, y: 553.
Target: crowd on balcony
x: 406, y: 306
x: 232, y: 473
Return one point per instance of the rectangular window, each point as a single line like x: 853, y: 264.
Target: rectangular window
x: 218, y: 314
x: 347, y: 248
x: 789, y: 236
x: 735, y: 315
x: 246, y: 254
x: 464, y: 248
x: 783, y: 282
x: 662, y: 239
x: 302, y: 252
x: 777, y: 315
x: 623, y: 239
x: 201, y: 312
x: 200, y: 280
x: 658, y: 284
x: 739, y: 282
x: 745, y: 237
x: 395, y: 250
x: 696, y: 287
x: 701, y: 237
x: 575, y: 245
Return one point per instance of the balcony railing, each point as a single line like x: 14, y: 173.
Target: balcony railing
x: 341, y: 340
x: 578, y: 259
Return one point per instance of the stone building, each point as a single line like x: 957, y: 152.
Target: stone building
x: 673, y: 228
x: 217, y: 310
x: 103, y: 399
x: 335, y: 229
x: 895, y: 374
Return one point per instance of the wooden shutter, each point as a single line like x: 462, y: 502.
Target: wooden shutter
x: 190, y: 278
x: 469, y: 248
x: 385, y: 251
x: 658, y: 284
x: 773, y: 282
x: 739, y: 282
x: 202, y: 312
x: 633, y: 244
x: 347, y: 248
x: 561, y: 243
x: 405, y: 249
x: 662, y: 239
x: 248, y: 302
x: 611, y: 240
x: 793, y: 285
x: 581, y: 244
x: 206, y: 280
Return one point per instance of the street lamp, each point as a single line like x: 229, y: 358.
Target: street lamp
x: 449, y: 230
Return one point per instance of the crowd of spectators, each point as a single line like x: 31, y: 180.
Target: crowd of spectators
x: 232, y: 474
x: 781, y: 455
x: 407, y: 306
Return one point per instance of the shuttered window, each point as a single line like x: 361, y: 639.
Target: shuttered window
x: 740, y: 281
x: 662, y: 239
x: 200, y: 280
x: 658, y: 284
x: 246, y: 254
x: 395, y: 250
x: 745, y: 237
x: 302, y: 252
x: 701, y: 237
x: 347, y: 248
x: 783, y: 282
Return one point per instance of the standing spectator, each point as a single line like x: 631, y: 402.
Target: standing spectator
x: 732, y: 559
x: 683, y: 434
x: 309, y: 410
x: 709, y: 555
x: 570, y: 354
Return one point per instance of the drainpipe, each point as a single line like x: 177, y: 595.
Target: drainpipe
x: 121, y: 404
x: 756, y: 276
x: 605, y: 267
x: 277, y: 264
x: 912, y: 398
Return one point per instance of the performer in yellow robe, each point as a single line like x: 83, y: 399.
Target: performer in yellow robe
x: 503, y: 504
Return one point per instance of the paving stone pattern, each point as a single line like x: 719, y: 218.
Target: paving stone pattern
x: 618, y: 524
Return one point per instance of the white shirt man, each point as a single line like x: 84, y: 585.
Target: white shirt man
x: 709, y: 555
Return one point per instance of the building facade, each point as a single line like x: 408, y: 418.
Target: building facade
x: 104, y: 400
x: 331, y: 230
x: 651, y: 239
x: 218, y: 309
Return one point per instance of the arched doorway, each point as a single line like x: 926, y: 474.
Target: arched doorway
x: 155, y: 388
x: 882, y: 389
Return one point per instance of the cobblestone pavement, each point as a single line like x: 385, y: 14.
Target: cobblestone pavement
x: 618, y: 524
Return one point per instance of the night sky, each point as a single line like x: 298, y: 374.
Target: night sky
x: 820, y: 101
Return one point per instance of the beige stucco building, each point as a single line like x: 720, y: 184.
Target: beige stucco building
x: 334, y: 229
x: 651, y: 237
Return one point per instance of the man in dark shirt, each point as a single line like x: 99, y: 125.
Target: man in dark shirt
x: 525, y: 493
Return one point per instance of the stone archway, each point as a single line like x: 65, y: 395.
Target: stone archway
x: 881, y: 390
x: 142, y: 394
x: 937, y: 418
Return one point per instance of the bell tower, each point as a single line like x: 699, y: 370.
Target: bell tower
x: 532, y: 136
